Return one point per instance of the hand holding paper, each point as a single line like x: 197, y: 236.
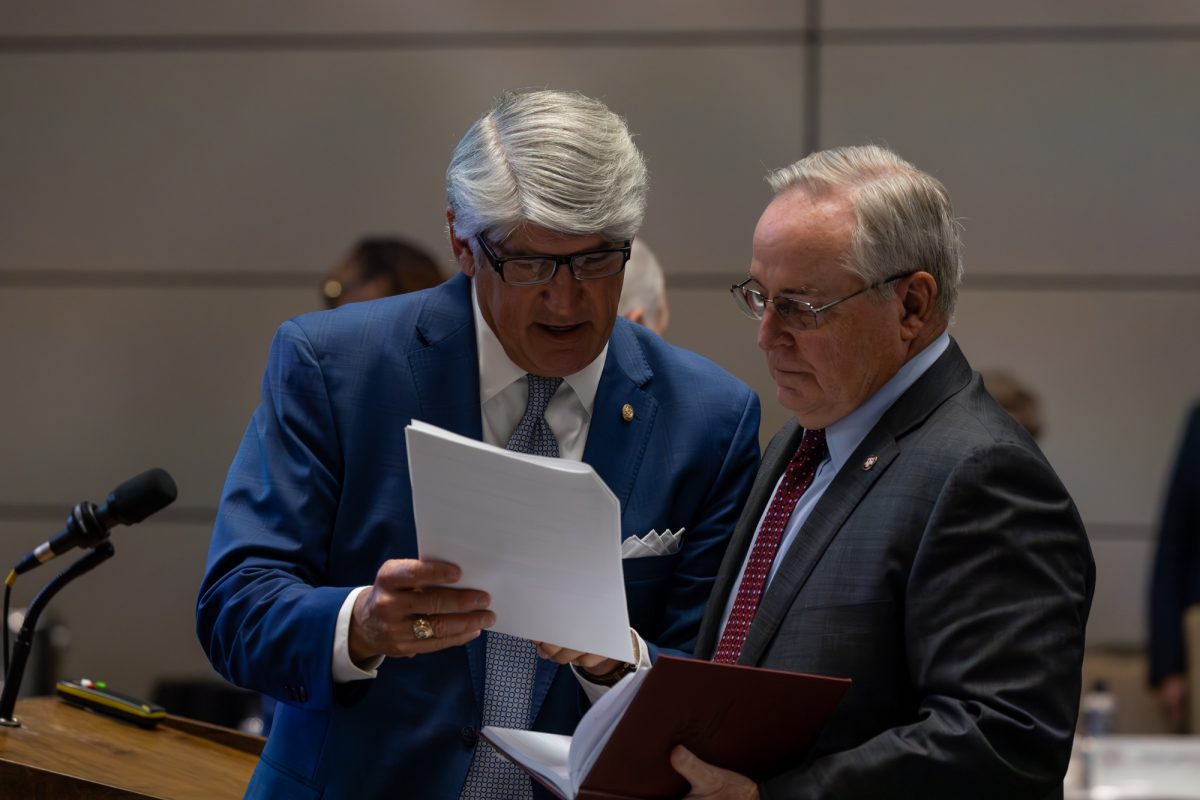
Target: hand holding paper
x: 381, y: 623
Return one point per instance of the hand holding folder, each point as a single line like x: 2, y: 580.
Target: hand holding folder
x: 744, y: 719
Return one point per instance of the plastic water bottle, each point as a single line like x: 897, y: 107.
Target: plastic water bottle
x: 1099, y: 710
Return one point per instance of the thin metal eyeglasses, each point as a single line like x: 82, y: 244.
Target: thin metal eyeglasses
x: 793, y: 312
x: 530, y: 270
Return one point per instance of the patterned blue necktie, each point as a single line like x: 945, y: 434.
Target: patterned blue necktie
x: 511, y: 662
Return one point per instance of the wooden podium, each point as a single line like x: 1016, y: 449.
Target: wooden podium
x: 61, y: 752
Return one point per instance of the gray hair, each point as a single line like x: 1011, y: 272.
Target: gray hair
x: 558, y: 160
x: 904, y: 220
x: 644, y: 285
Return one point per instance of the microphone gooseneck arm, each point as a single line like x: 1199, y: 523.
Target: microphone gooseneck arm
x: 24, y: 643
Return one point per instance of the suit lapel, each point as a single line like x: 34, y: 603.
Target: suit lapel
x: 947, y: 376
x: 615, y: 447
x: 445, y: 371
x: 823, y: 523
x: 779, y: 452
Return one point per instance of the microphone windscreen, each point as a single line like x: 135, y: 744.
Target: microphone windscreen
x: 140, y: 496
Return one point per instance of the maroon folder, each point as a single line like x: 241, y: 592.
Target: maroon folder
x: 749, y: 720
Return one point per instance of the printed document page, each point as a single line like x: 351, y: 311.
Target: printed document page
x: 541, y: 535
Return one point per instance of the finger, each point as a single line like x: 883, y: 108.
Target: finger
x: 416, y: 647
x: 559, y: 655
x: 399, y: 574
x: 591, y: 661
x: 548, y: 651
x: 700, y: 775
x: 448, y: 626
x: 427, y: 602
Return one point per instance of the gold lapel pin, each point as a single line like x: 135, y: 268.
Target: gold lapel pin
x: 870, y: 462
x: 627, y: 412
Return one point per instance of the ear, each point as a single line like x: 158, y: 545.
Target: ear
x: 462, y: 250
x: 918, y: 303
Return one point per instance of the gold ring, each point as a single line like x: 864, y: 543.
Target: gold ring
x: 422, y: 628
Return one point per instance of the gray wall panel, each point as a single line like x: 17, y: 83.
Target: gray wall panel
x: 274, y: 162
x: 1075, y: 159
x: 125, y: 17
x: 1115, y: 377
x: 884, y: 15
x: 113, y: 382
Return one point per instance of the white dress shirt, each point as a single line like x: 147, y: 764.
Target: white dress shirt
x: 842, y: 438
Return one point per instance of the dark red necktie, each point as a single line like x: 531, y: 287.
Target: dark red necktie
x: 796, y: 479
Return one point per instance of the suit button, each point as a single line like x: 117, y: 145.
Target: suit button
x: 469, y: 735
x: 302, y: 694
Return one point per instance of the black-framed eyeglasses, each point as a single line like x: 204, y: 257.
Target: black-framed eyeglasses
x: 529, y: 270
x: 793, y: 312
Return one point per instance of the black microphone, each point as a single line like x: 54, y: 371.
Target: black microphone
x: 128, y: 504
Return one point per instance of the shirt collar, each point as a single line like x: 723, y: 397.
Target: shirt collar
x: 497, y: 372
x: 844, y: 436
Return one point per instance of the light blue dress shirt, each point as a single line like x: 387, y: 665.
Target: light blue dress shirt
x: 842, y: 438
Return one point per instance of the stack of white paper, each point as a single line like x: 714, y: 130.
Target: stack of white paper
x: 541, y: 535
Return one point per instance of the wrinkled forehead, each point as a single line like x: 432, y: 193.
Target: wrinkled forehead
x: 802, y: 241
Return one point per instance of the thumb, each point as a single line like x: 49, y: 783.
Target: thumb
x: 700, y: 775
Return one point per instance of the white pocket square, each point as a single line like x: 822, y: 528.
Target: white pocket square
x: 652, y: 544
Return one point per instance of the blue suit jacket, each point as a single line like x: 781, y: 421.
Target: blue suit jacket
x: 318, y: 497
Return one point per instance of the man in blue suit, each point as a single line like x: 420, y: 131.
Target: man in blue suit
x: 313, y: 592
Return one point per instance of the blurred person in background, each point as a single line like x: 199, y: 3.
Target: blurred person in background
x: 1175, y: 584
x: 644, y: 295
x: 1016, y: 398
x: 379, y: 266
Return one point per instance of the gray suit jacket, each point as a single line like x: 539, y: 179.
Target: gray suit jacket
x: 951, y: 581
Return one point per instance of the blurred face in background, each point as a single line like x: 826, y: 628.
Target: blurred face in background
x: 347, y: 284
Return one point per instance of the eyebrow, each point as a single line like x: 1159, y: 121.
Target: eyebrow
x: 504, y: 252
x: 802, y: 291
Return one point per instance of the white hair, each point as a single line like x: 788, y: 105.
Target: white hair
x: 904, y: 220
x: 644, y: 286
x: 558, y: 160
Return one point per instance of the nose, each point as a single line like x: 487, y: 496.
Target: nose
x: 770, y: 328
x: 562, y: 290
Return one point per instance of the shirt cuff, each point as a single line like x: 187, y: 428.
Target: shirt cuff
x: 595, y: 691
x: 344, y: 670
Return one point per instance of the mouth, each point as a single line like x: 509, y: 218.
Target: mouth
x: 561, y: 331
x: 786, y: 369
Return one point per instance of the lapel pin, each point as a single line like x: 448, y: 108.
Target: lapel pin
x: 870, y: 462
x: 627, y: 412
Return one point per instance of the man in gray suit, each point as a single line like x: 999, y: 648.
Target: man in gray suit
x: 903, y: 530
